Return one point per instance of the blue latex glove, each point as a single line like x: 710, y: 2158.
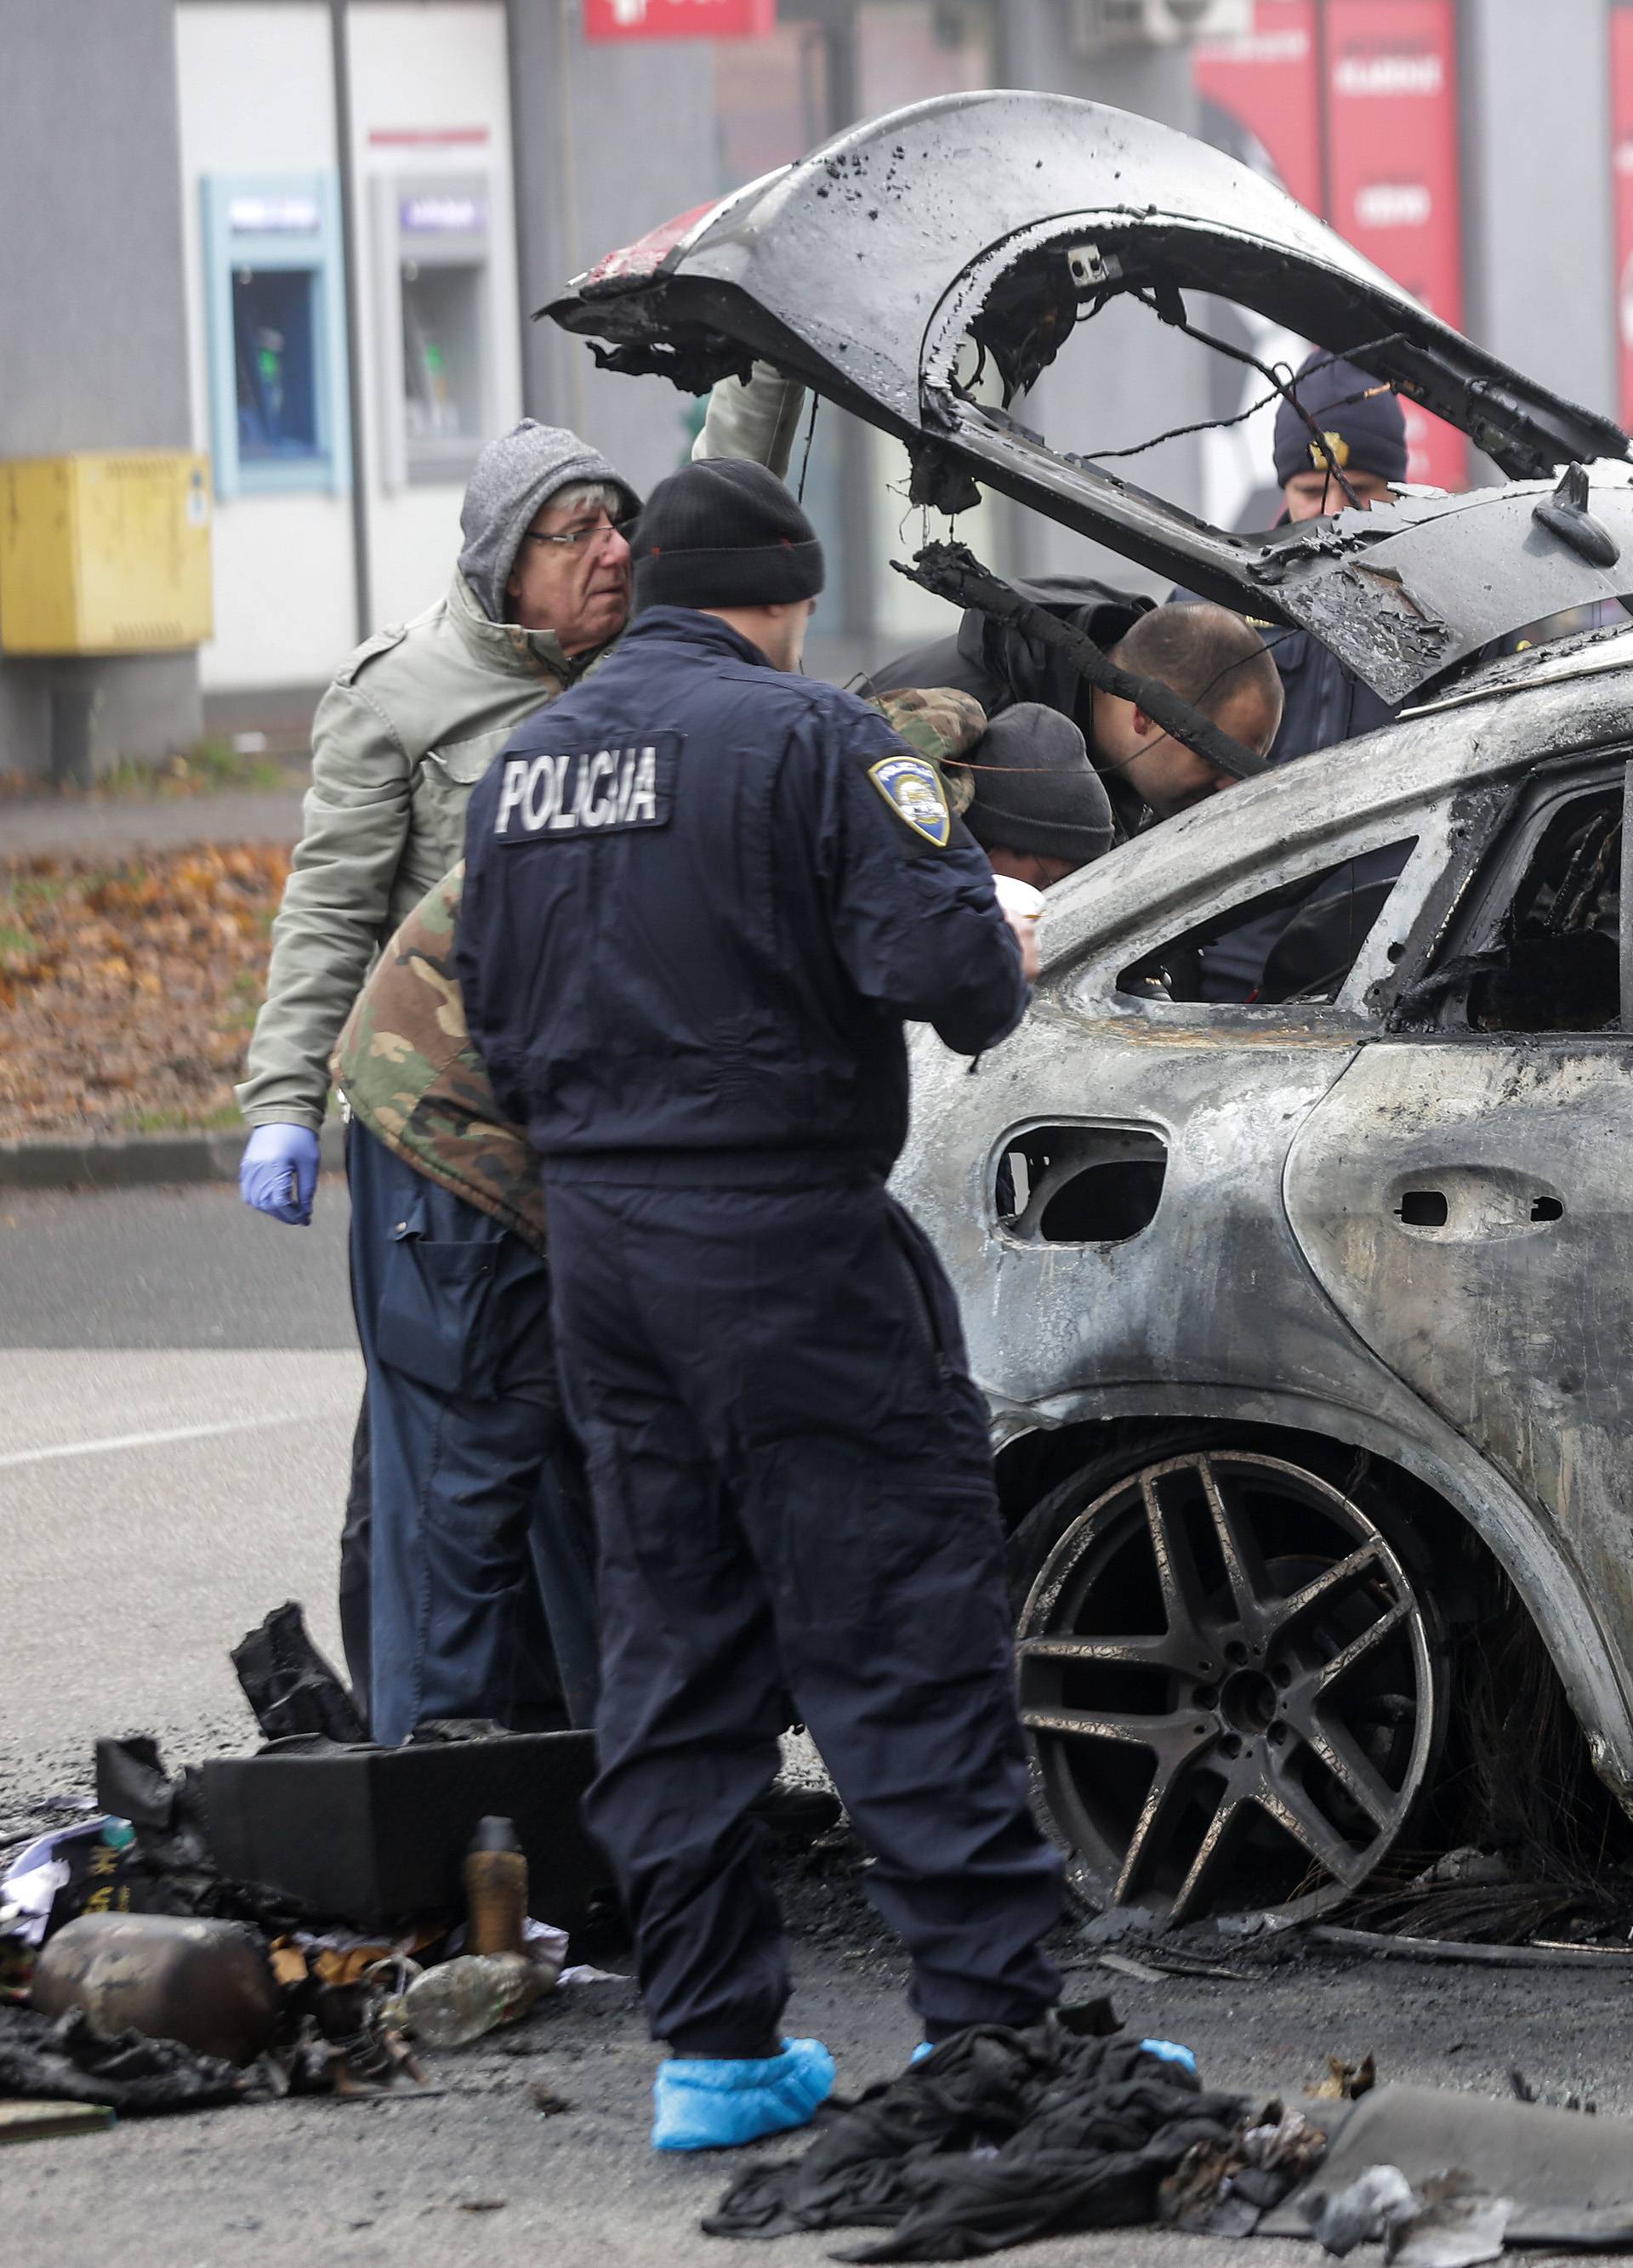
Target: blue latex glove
x: 704, y: 2104
x: 278, y: 1173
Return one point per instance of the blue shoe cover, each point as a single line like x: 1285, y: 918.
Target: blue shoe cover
x: 925, y: 2048
x: 714, y: 2103
x: 1170, y: 2051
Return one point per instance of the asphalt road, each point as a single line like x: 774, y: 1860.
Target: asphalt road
x: 176, y: 1401
x: 177, y: 1394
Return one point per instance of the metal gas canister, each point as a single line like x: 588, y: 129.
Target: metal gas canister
x: 207, y: 1984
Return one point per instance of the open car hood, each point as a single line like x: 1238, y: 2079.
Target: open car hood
x: 1006, y: 216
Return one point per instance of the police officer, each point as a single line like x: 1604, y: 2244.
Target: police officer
x: 702, y: 894
x: 478, y: 1484
x: 1363, y: 428
x: 1363, y: 424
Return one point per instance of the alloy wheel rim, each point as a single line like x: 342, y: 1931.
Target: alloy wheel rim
x: 1226, y: 1675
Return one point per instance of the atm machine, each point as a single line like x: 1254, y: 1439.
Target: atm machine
x: 434, y: 324
x: 275, y: 333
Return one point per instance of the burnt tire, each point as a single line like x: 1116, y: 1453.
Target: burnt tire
x: 1233, y: 1677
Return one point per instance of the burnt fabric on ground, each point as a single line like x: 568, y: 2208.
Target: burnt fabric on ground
x: 66, y: 2061
x: 1001, y: 2136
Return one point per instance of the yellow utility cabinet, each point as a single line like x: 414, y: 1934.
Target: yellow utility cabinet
x: 105, y: 551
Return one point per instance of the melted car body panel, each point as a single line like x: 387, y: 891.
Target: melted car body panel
x: 1001, y: 219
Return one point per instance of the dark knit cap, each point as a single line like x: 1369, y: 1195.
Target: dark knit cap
x: 1035, y: 788
x: 724, y: 532
x: 1352, y: 409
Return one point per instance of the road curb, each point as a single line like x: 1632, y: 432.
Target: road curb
x: 139, y: 1162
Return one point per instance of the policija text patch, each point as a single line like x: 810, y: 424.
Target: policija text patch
x: 589, y: 790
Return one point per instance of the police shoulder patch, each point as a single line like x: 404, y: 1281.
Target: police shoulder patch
x: 912, y: 788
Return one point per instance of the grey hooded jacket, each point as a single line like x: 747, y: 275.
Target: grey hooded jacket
x: 408, y: 726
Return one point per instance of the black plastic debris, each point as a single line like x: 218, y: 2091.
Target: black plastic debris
x: 999, y: 2137
x: 378, y: 1837
x: 132, y: 1784
x: 288, y: 1684
x: 65, y: 2060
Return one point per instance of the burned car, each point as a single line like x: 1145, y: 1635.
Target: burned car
x: 1305, y: 1323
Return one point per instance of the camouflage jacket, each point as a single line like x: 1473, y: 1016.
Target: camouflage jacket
x: 404, y: 1061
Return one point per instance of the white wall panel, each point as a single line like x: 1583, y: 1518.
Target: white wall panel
x: 430, y: 94
x: 258, y: 96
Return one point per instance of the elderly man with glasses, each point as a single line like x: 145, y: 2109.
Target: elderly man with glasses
x: 451, y: 1302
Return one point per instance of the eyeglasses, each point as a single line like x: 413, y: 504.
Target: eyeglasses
x: 580, y: 539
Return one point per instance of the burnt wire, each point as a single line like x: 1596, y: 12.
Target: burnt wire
x: 810, y: 435
x: 1281, y: 389
x: 1169, y: 308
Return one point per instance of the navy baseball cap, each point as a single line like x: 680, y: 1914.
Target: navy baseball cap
x: 1360, y: 415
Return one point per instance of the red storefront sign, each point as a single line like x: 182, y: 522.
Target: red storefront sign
x: 679, y: 19
x: 1392, y: 165
x: 1376, y: 80
x: 1268, y: 83
x: 1622, y: 178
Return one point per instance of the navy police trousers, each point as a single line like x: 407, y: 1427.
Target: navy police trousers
x: 480, y: 1557
x: 796, y: 1515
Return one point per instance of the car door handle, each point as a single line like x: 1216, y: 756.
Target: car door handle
x: 1474, y: 1201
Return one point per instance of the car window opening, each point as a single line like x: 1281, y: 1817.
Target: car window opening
x: 1297, y: 942
x: 1556, y: 964
x: 1079, y: 1185
x: 1553, y: 961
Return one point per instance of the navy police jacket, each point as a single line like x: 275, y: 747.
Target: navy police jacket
x: 700, y: 898
x: 1324, y: 701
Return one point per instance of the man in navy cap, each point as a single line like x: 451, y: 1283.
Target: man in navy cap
x: 702, y: 896
x: 1363, y: 430
x: 1359, y: 420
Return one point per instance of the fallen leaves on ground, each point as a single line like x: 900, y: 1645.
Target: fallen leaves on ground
x: 128, y: 991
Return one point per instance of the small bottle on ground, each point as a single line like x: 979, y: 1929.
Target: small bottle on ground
x: 460, y: 1999
x: 496, y: 1890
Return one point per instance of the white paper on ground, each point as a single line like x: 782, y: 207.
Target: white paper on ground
x: 34, y: 1878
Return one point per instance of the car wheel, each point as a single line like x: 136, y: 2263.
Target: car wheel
x: 1234, y: 1689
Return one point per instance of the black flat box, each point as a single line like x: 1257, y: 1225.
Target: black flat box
x: 375, y: 1837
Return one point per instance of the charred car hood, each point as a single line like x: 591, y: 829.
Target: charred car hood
x: 1003, y: 217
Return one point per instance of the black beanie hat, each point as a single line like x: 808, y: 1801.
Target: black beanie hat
x: 1361, y: 419
x: 724, y: 532
x: 1035, y: 788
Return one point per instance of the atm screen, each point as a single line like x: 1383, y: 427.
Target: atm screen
x: 443, y: 410
x: 272, y: 347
